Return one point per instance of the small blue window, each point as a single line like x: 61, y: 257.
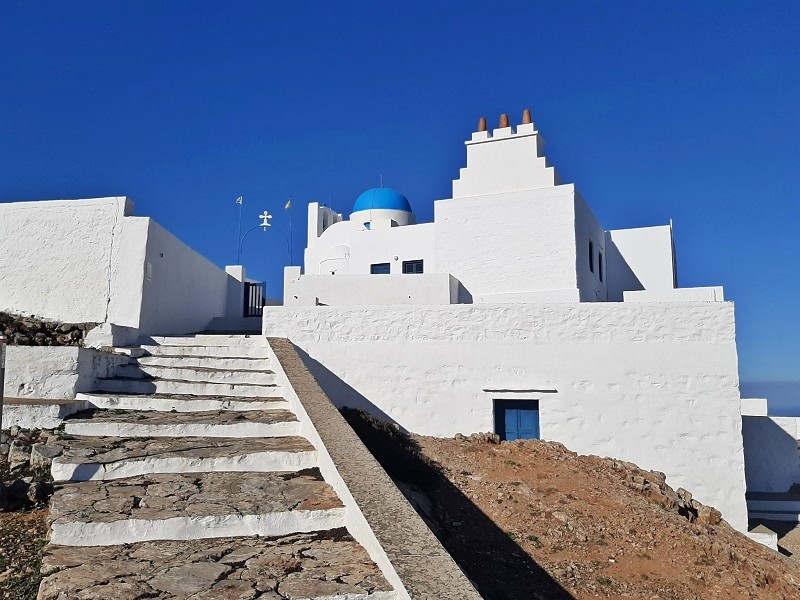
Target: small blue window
x: 516, y: 419
x: 379, y: 269
x: 412, y: 266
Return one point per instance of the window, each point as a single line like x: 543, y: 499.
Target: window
x: 516, y: 419
x: 591, y: 256
x: 412, y: 266
x: 379, y: 269
x: 600, y: 266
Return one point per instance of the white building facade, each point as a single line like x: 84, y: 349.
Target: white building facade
x: 94, y: 261
x: 514, y: 311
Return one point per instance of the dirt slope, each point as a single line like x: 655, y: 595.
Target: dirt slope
x: 532, y: 520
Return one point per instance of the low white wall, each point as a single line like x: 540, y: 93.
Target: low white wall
x: 653, y: 384
x: 55, y: 372
x: 696, y: 294
x: 183, y: 290
x: 357, y: 524
x: 772, y: 461
x: 351, y: 290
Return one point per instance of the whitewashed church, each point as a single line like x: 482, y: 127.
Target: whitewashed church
x: 513, y: 312
x: 516, y: 312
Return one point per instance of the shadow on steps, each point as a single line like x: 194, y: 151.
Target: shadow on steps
x: 495, y: 564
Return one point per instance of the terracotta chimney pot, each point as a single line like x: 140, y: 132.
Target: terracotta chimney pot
x: 482, y: 124
x: 503, y: 120
x: 526, y: 116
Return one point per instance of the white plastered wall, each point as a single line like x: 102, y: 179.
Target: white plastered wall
x: 182, y: 289
x: 587, y: 228
x: 511, y: 247
x: 359, y: 290
x: 59, y: 259
x: 86, y: 261
x: 656, y: 385
x: 348, y: 248
x: 639, y: 259
x: 56, y: 372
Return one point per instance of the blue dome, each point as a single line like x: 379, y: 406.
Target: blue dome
x: 385, y: 198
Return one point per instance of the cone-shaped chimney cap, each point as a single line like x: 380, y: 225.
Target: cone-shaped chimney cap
x: 503, y: 120
x: 526, y: 116
x: 482, y: 124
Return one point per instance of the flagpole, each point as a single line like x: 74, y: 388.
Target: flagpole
x: 239, y: 201
x: 291, y: 248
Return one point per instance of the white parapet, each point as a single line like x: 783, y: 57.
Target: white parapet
x: 764, y: 536
x: 695, y: 294
x: 754, y: 407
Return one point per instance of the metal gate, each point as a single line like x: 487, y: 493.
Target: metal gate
x: 253, y: 299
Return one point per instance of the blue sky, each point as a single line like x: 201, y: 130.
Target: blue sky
x: 656, y: 110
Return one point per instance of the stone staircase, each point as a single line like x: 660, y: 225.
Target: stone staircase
x: 190, y: 477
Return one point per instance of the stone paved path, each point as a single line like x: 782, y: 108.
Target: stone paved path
x: 215, y: 497
x: 312, y: 565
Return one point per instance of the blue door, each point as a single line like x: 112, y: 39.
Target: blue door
x: 517, y: 419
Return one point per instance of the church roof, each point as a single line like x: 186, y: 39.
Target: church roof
x: 382, y: 198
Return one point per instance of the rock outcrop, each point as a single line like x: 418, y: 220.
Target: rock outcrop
x: 31, y: 331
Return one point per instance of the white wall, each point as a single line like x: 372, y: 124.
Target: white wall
x: 86, y: 261
x: 348, y: 248
x: 656, y: 385
x: 185, y: 290
x: 508, y: 247
x: 696, y: 294
x: 57, y: 259
x: 504, y: 161
x: 772, y: 461
x: 639, y: 259
x: 55, y: 372
x: 587, y: 228
x: 350, y: 290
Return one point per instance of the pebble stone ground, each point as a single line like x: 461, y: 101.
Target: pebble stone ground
x: 149, y: 512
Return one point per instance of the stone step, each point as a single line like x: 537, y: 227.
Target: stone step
x: 123, y: 385
x: 41, y: 413
x: 180, y: 402
x: 187, y: 506
x: 207, y: 351
x: 132, y: 351
x: 216, y: 362
x: 208, y: 374
x: 217, y: 423
x: 106, y: 458
x: 210, y: 339
x: 302, y: 566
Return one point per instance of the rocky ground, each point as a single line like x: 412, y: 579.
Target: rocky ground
x: 25, y: 488
x: 31, y: 331
x: 529, y: 520
x: 22, y: 536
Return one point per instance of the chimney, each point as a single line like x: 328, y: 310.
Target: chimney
x: 526, y: 116
x: 503, y: 121
x: 482, y: 124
